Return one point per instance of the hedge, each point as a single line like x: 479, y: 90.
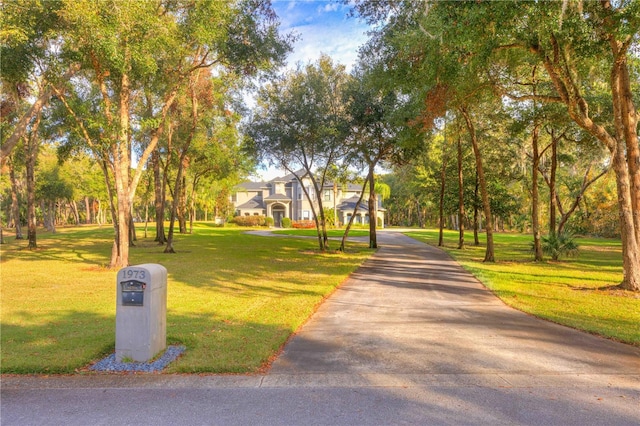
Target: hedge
x: 250, y: 220
x: 304, y: 224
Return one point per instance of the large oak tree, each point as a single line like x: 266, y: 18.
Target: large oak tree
x: 126, y: 47
x: 586, y: 52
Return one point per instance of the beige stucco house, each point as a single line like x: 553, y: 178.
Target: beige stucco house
x: 283, y: 197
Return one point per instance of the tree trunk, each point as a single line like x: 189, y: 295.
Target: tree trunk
x: 52, y: 217
x: 443, y: 174
x: 552, y: 185
x: 489, y: 253
x: 355, y: 210
x: 87, y: 209
x: 192, y: 213
x: 179, y: 194
x: 535, y: 199
x: 76, y: 214
x: 132, y: 230
x: 476, y: 239
x: 630, y: 246
x: 159, y: 187
x: 121, y: 166
x: 627, y: 172
x: 460, y: 197
x: 98, y: 212
x: 182, y: 200
x: 146, y: 219
x: 174, y: 208
x: 624, y: 146
x: 32, y: 154
x: 321, y: 223
x: 15, y: 202
x: 373, y: 240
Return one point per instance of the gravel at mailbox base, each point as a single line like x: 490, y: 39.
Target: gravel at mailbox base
x: 110, y: 364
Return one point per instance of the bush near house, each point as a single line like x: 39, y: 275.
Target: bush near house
x: 286, y: 222
x: 304, y: 224
x: 250, y: 220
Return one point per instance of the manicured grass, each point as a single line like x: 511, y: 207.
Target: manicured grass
x: 332, y: 233
x: 233, y: 298
x: 573, y: 291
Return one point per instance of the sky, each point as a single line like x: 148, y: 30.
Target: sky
x: 322, y: 26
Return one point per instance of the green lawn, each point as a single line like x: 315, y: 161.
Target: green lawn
x: 331, y: 233
x: 573, y: 291
x: 233, y: 298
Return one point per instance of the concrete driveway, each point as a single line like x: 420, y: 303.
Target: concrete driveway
x: 410, y: 338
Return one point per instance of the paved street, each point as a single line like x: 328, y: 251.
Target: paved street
x: 411, y: 338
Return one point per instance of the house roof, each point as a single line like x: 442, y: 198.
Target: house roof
x: 350, y: 203
x: 254, y: 203
x: 251, y: 186
x: 277, y: 197
x: 290, y: 177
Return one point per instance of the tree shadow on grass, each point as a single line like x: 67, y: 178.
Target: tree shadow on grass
x: 69, y: 342
x: 611, y: 290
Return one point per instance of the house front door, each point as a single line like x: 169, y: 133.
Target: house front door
x: 277, y: 218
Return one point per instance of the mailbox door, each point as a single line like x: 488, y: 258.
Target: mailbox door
x: 132, y: 292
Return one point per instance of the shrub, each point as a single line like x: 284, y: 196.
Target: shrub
x: 557, y: 245
x: 286, y: 222
x: 304, y: 224
x: 249, y: 220
x: 330, y: 216
x: 268, y: 221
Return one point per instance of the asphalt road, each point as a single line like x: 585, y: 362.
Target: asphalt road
x: 411, y: 338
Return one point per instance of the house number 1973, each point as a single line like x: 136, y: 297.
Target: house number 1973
x: 132, y: 273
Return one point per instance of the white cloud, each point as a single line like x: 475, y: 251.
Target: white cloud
x: 323, y: 27
x: 339, y: 42
x: 329, y: 7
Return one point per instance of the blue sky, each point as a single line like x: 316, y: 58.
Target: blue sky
x: 323, y: 27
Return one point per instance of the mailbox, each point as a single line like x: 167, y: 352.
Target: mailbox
x: 141, y: 311
x: 133, y: 292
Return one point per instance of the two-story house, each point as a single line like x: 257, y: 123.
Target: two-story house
x: 284, y: 197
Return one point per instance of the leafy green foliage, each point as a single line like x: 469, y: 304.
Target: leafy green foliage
x: 561, y: 244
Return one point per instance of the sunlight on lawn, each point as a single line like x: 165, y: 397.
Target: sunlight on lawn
x: 233, y: 298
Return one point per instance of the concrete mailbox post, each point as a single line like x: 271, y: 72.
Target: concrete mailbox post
x: 141, y: 312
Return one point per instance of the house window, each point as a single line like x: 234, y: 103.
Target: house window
x: 305, y: 214
x: 327, y: 195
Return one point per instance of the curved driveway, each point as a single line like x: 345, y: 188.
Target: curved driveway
x: 410, y: 338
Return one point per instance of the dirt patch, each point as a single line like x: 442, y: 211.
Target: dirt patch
x: 612, y: 290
